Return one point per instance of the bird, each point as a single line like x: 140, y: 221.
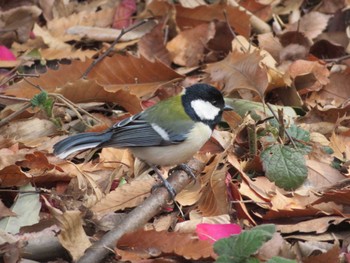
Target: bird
x: 166, y: 134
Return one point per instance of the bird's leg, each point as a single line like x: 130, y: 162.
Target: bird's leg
x: 167, y: 185
x: 184, y: 167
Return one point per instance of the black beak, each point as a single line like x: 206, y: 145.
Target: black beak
x: 227, y: 108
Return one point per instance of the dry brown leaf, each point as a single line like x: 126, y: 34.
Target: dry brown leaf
x: 190, y: 195
x: 51, y: 54
x: 321, y: 175
x: 341, y: 146
x: 49, y: 40
x: 260, y: 10
x: 157, y: 9
x: 240, y: 71
x: 318, y: 225
x: 239, y: 205
x: 126, y: 196
x: 331, y: 6
x: 5, y: 211
x: 12, y: 175
x: 187, y: 48
x: 273, y: 247
x: 311, y: 24
x: 72, y: 235
x: 330, y: 255
x: 189, y: 226
x: 335, y: 94
x: 19, y: 20
x: 191, y: 17
x: 152, y: 47
x: 28, y: 129
x: 109, y: 34
x: 285, y: 7
x: 82, y: 91
x: 9, y: 156
x: 111, y: 80
x: 214, y: 200
x: 58, y: 27
x: 164, y: 222
x: 146, y: 244
x: 120, y: 159
x: 308, y: 75
x: 192, y: 3
x: 338, y: 193
x: 271, y: 44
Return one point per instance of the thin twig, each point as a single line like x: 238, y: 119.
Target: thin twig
x: 233, y: 32
x: 69, y: 104
x: 109, y: 50
x: 248, y: 202
x: 336, y: 60
x: 276, y: 117
x: 75, y: 108
x: 282, y: 127
x: 14, y: 98
x: 138, y: 216
x: 15, y: 114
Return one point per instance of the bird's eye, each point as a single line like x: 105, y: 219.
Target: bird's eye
x: 214, y: 102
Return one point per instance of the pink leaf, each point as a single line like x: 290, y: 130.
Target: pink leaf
x: 214, y: 232
x: 123, y: 13
x: 6, y: 54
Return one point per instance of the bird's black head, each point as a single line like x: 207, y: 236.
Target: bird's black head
x: 204, y: 103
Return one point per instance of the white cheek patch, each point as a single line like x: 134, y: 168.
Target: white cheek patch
x: 205, y: 110
x: 160, y: 131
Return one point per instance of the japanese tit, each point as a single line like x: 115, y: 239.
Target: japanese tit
x: 168, y: 133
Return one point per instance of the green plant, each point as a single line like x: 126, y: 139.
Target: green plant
x: 241, y: 248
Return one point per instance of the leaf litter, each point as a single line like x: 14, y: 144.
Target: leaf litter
x: 290, y: 58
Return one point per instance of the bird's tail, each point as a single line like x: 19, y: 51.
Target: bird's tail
x: 79, y: 142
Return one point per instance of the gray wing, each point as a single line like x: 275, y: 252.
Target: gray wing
x: 137, y: 132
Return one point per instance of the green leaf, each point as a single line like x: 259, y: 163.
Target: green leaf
x: 39, y: 99
x: 299, y: 133
x: 280, y: 260
x: 284, y: 165
x: 252, y: 260
x: 47, y: 106
x: 224, y: 247
x: 269, y: 229
x: 238, y: 249
x: 224, y: 259
x: 257, y: 109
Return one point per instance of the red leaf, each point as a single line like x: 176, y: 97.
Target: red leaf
x: 123, y: 13
x: 214, y: 232
x: 6, y: 54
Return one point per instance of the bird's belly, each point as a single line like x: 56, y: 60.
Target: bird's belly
x: 176, y: 153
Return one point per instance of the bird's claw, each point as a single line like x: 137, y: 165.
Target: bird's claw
x: 184, y: 167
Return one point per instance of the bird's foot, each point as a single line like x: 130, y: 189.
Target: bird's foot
x: 165, y: 183
x: 184, y: 167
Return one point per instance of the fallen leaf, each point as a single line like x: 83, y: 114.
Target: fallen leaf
x: 311, y: 24
x: 318, y: 225
x: 72, y: 235
x: 125, y: 196
x: 122, y: 17
x: 191, y: 17
x: 187, y: 48
x: 145, y: 243
x: 308, y: 75
x: 5, y: 211
x: 240, y: 71
x: 214, y: 232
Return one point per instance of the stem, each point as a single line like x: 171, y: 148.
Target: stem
x: 109, y: 50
